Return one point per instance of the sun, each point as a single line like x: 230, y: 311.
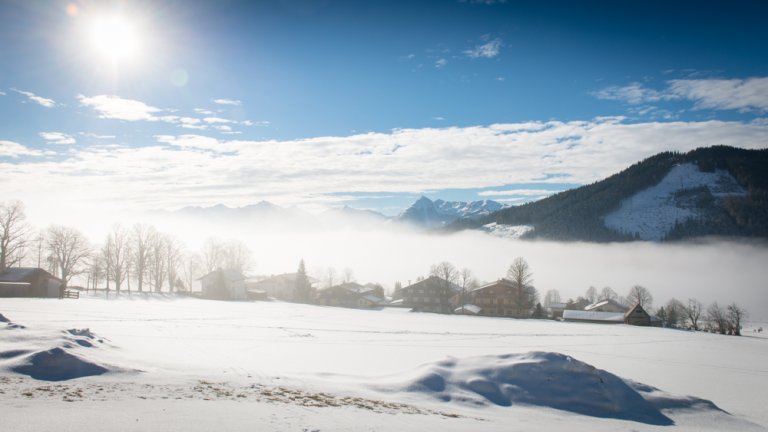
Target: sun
x: 114, y: 38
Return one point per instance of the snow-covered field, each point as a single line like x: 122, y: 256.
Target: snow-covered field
x: 185, y: 364
x: 653, y: 212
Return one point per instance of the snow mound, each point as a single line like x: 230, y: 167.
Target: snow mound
x: 653, y: 212
x: 9, y: 324
x: 57, y: 365
x: 543, y: 379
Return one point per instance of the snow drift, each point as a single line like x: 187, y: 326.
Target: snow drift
x: 544, y: 379
x: 57, y: 365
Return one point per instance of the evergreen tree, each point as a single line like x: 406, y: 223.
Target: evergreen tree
x: 538, y: 311
x: 302, y: 291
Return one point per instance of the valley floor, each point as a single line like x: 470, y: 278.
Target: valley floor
x: 196, y: 365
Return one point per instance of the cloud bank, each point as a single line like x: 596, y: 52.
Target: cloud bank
x: 193, y: 169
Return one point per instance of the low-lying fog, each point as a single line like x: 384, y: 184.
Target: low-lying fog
x: 714, y: 270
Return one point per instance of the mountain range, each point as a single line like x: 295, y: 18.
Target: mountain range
x: 424, y: 213
x: 714, y: 191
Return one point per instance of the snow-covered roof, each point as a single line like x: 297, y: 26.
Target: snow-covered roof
x: 397, y: 302
x: 474, y: 309
x: 579, y: 315
x: 373, y: 299
x: 22, y: 274
x: 605, y: 302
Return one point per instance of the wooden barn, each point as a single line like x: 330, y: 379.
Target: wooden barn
x: 29, y: 282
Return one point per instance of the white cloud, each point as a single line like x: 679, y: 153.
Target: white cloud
x: 2, y: 93
x: 489, y: 49
x: 48, y: 103
x: 441, y: 62
x: 191, y: 142
x: 10, y: 149
x: 195, y: 169
x: 213, y: 120
x: 115, y: 107
x: 634, y: 93
x: 223, y: 101
x: 736, y: 94
x: 57, y: 138
x: 723, y: 94
x: 518, y: 192
x: 204, y: 111
x: 97, y: 136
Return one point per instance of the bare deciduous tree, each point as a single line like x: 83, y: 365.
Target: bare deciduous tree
x: 70, y: 249
x: 116, y: 254
x: 675, y: 312
x: 157, y: 261
x: 172, y: 259
x: 467, y: 282
x: 348, y: 275
x: 330, y: 277
x: 692, y: 312
x: 716, y: 315
x: 448, y: 276
x: 191, y: 270
x: 141, y: 238
x: 591, y: 294
x: 526, y: 296
x: 639, y: 294
x: 552, y: 296
x: 736, y: 315
x: 14, y: 234
x: 607, y: 293
x: 231, y: 254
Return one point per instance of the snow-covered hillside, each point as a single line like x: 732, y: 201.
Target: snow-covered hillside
x: 507, y: 231
x: 653, y: 212
x: 169, y: 364
x: 429, y: 214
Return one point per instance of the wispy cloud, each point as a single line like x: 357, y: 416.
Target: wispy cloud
x: 10, y: 149
x: 749, y: 94
x: 441, y: 62
x: 217, y: 120
x: 97, y: 136
x: 725, y: 94
x: 48, y: 103
x: 224, y: 101
x: 517, y: 192
x: 57, y: 138
x: 489, y: 49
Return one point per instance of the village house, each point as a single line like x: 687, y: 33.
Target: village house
x: 604, y: 311
x: 351, y: 295
x: 555, y: 310
x: 432, y: 294
x: 497, y: 298
x: 29, y: 282
x: 224, y: 284
x: 639, y: 317
x: 280, y: 286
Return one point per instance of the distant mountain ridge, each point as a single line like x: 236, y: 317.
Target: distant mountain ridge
x: 713, y: 191
x: 432, y: 214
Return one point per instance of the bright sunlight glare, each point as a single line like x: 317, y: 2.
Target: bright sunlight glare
x: 115, y: 38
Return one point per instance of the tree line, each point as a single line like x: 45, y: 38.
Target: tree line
x: 139, y: 257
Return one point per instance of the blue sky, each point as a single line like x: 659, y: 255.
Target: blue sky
x: 364, y: 103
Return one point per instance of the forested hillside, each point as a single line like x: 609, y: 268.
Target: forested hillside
x: 578, y: 214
